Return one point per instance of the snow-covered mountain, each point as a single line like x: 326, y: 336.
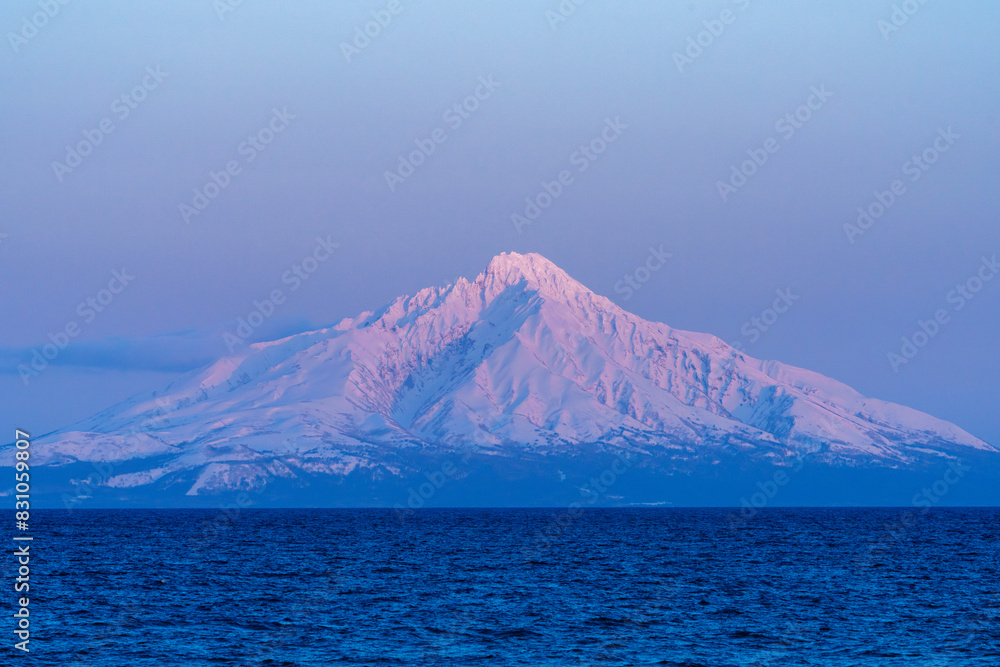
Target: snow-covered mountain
x: 522, y: 364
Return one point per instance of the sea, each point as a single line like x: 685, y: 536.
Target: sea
x: 632, y: 586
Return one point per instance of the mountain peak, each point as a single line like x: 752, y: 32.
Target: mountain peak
x: 529, y: 265
x: 521, y: 366
x: 511, y: 268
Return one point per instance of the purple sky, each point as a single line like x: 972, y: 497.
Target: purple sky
x: 290, y: 121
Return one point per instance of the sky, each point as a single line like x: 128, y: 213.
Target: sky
x: 168, y: 167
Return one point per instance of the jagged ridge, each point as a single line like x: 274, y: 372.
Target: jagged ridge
x: 523, y: 359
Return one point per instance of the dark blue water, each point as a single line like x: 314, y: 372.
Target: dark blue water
x: 513, y: 587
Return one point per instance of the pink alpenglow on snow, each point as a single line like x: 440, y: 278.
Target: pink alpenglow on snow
x: 521, y: 360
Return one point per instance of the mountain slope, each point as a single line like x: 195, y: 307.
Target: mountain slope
x: 521, y: 364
